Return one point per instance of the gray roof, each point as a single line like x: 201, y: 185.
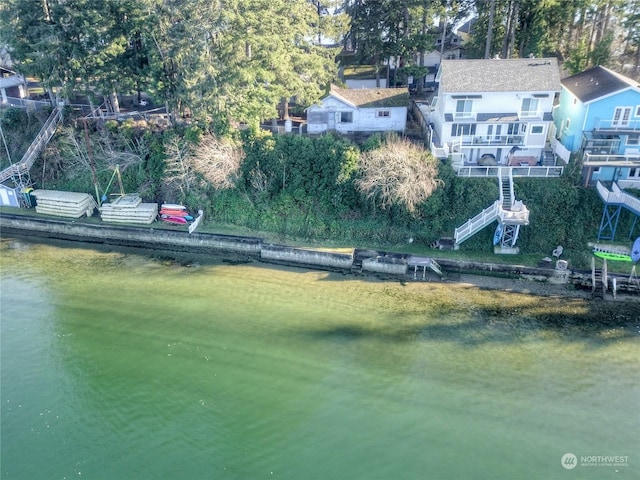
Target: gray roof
x: 597, y: 82
x: 373, y: 97
x: 497, y: 117
x: 12, y: 81
x: 510, y: 75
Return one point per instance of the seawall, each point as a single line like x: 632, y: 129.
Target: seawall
x: 382, y: 264
x: 145, y: 237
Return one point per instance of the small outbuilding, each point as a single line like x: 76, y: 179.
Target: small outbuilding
x: 9, y: 196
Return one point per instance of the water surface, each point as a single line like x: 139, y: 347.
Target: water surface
x: 123, y: 366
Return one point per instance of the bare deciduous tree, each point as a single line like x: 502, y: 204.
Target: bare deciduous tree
x: 398, y: 172
x: 218, y: 160
x: 259, y: 180
x: 178, y: 171
x: 100, y: 149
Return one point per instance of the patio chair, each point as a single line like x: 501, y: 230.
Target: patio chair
x: 557, y: 252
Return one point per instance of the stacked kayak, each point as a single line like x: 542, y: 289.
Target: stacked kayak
x: 174, y: 213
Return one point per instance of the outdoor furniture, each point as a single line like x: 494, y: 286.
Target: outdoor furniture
x: 523, y: 161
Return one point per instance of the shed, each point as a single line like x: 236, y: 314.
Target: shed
x: 9, y: 196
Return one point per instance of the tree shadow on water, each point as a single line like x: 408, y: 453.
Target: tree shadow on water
x: 593, y: 324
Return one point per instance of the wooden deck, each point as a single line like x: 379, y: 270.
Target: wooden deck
x: 523, y: 161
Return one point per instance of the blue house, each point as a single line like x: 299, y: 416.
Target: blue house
x: 598, y: 118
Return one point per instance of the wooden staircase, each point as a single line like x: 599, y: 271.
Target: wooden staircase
x: 548, y: 159
x: 18, y: 170
x: 501, y: 210
x: 506, y: 188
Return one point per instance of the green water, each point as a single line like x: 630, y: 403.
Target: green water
x: 122, y: 366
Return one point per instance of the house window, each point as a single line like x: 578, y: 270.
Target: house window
x: 621, y: 117
x: 463, y: 108
x: 383, y: 113
x: 461, y: 129
x: 638, y: 111
x: 537, y: 129
x: 634, y: 173
x: 567, y: 124
x: 633, y: 140
x: 316, y: 117
x: 529, y: 107
x: 596, y: 170
x: 513, y: 129
x: 346, y: 117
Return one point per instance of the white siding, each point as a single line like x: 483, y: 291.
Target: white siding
x: 364, y: 119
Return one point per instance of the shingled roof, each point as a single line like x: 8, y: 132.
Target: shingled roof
x: 510, y: 75
x: 597, y: 82
x: 372, y: 97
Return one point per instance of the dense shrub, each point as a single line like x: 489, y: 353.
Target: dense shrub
x: 304, y: 186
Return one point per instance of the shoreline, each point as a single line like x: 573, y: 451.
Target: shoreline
x: 389, y: 267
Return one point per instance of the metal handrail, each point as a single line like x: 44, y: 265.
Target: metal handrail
x: 28, y: 159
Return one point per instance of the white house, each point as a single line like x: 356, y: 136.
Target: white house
x: 11, y: 85
x: 495, y: 111
x: 360, y: 110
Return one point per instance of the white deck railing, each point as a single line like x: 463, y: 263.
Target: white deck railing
x: 24, y: 103
x: 618, y: 125
x: 614, y: 160
x: 618, y: 197
x: 492, y: 171
x: 516, y: 216
x: 477, y: 223
x: 629, y: 200
x: 492, y: 140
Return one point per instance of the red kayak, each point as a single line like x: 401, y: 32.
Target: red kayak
x: 173, y: 219
x: 174, y: 213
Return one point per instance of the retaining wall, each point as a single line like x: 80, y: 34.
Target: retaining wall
x: 130, y: 236
x: 282, y: 253
x: 385, y: 264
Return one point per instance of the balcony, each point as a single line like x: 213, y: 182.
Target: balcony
x: 493, y: 140
x: 601, y: 144
x: 604, y: 160
x: 619, y: 126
